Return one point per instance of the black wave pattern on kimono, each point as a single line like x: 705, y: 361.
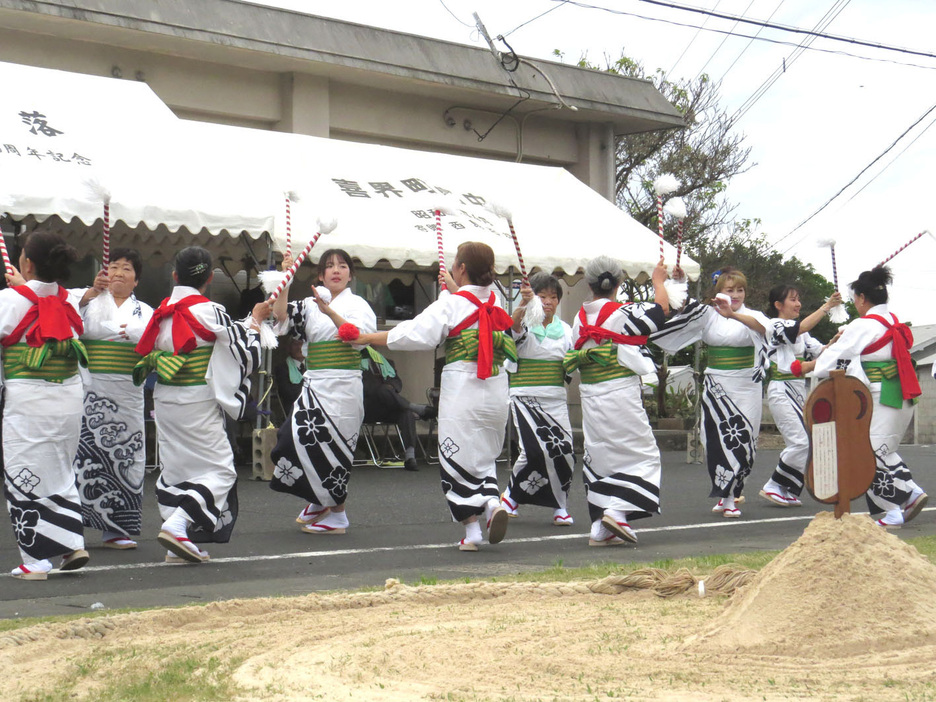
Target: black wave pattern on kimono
x: 549, y: 456
x: 458, y: 482
x: 208, y: 520
x: 729, y: 440
x: 36, y: 519
x: 892, y: 484
x: 224, y: 526
x: 313, y: 432
x: 644, y: 496
x: 111, y: 499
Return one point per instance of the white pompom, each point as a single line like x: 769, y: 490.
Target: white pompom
x: 292, y: 195
x: 268, y: 338
x: 98, y: 190
x: 675, y: 207
x: 678, y: 293
x: 269, y: 280
x: 825, y: 243
x: 326, y: 225
x: 535, y: 315
x: 838, y: 314
x: 101, y: 309
x: 665, y: 184
x: 323, y: 293
x: 445, y: 207
x: 499, y: 209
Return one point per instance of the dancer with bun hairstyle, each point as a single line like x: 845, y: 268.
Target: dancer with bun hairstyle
x: 875, y: 348
x: 621, y: 466
x: 203, y: 361
x: 39, y: 329
x: 473, y: 393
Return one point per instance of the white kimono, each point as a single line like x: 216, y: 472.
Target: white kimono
x: 315, y: 449
x: 41, y: 423
x: 111, y: 451
x: 621, y: 465
x: 732, y: 399
x: 472, y: 412
x: 893, y: 481
x: 197, y: 459
x: 786, y: 396
x: 542, y: 473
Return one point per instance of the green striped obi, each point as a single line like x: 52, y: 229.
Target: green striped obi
x: 111, y: 356
x: 464, y: 347
x: 177, y: 370
x: 332, y: 355
x: 597, y: 364
x: 730, y: 357
x: 54, y: 361
x: 775, y: 373
x: 885, y: 373
x: 537, y: 372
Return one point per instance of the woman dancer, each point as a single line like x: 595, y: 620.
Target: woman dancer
x: 111, y: 455
x: 315, y: 448
x: 39, y: 328
x: 876, y: 349
x: 790, y: 341
x: 542, y: 474
x: 732, y: 389
x: 622, y: 460
x: 203, y: 361
x: 473, y: 393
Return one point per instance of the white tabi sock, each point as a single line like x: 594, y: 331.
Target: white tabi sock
x: 178, y: 522
x: 473, y: 533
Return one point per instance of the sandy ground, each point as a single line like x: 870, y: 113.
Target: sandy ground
x: 793, y: 632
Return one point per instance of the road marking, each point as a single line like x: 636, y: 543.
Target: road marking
x: 430, y: 547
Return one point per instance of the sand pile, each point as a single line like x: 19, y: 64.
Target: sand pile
x: 844, y: 588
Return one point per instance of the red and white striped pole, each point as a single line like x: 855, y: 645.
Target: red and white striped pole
x: 513, y: 234
x: 290, y: 198
x: 105, y: 257
x: 903, y: 247
x: 438, y: 218
x: 663, y: 185
x: 660, y: 222
x: 293, y: 268
x: 7, y: 265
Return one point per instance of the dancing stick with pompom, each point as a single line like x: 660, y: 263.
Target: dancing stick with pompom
x: 291, y: 197
x: 831, y: 244
x: 100, y: 192
x: 441, y: 209
x: 324, y: 227
x: 925, y: 231
x: 663, y: 185
x: 675, y: 207
x: 838, y: 314
x: 535, y: 315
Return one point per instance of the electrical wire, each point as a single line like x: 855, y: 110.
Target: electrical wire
x: 851, y: 182
x: 541, y: 14
x: 692, y: 41
x: 442, y: 2
x: 745, y: 20
x: 751, y: 41
x: 722, y: 43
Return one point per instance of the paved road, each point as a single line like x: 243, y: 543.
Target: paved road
x: 400, y: 528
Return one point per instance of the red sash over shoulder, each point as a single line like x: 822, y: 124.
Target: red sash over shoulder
x: 902, y: 338
x: 184, y: 326
x: 490, y: 318
x: 54, y: 318
x: 598, y: 334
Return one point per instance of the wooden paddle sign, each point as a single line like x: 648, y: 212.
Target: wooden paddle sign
x: 838, y: 421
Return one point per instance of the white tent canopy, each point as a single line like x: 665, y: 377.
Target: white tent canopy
x: 175, y: 183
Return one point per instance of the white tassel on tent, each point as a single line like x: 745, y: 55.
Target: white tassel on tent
x: 678, y: 293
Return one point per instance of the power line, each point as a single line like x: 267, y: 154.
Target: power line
x: 692, y: 41
x: 852, y: 181
x: 751, y: 41
x: 554, y: 7
x: 724, y: 39
x: 831, y: 14
x: 442, y: 2
x: 745, y: 20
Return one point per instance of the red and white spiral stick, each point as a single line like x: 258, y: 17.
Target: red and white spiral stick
x: 291, y: 197
x: 100, y: 192
x: 925, y: 231
x: 535, y: 314
x: 7, y: 265
x: 675, y: 207
x: 441, y: 209
x: 324, y: 227
x: 831, y: 244
x: 663, y: 185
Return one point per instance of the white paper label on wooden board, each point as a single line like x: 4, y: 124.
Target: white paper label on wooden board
x: 825, y: 461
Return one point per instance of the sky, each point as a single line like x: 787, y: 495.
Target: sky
x: 827, y: 116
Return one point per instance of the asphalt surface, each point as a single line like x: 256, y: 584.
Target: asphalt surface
x: 401, y: 528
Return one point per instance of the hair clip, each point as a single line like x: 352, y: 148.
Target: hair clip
x: 715, y: 276
x: 198, y: 268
